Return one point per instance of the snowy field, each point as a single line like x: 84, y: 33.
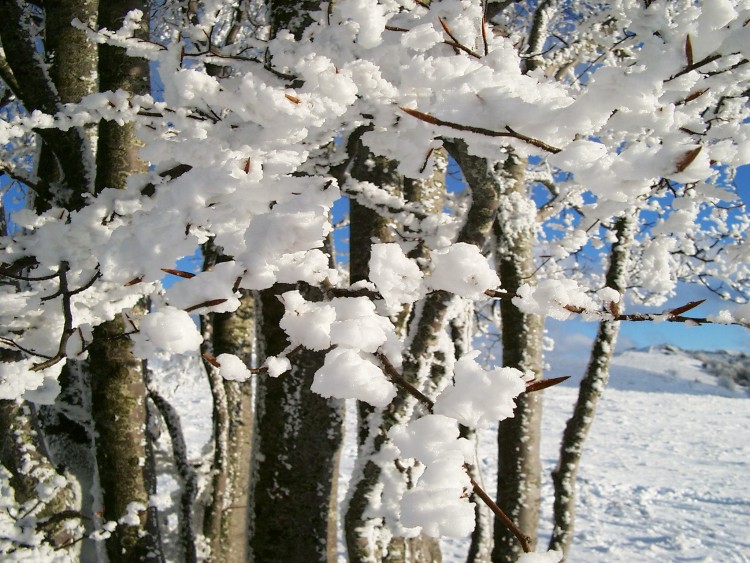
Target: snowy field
x: 666, y: 468
x: 666, y: 471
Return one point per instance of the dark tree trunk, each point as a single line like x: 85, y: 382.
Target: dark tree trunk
x: 296, y: 446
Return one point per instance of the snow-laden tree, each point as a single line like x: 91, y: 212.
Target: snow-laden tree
x: 256, y: 120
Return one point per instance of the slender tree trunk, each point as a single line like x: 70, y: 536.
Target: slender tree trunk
x: 226, y: 521
x: 118, y: 388
x: 591, y: 389
x: 519, y: 464
x: 295, y: 454
x: 428, y: 322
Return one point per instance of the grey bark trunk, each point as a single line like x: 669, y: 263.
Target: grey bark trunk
x: 519, y: 464
x: 591, y: 389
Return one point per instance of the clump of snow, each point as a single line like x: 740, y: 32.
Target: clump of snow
x: 608, y: 295
x: 168, y: 330
x: 132, y: 514
x: 438, y: 503
x: 358, y: 326
x: 550, y: 298
x: 233, y: 368
x: 478, y: 397
x: 275, y: 366
x: 398, y: 279
x: 208, y: 286
x: 461, y: 269
x: 429, y: 437
x: 307, y: 323
x: 348, y: 374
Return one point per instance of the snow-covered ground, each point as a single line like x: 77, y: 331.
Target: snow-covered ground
x: 666, y: 468
x: 666, y: 471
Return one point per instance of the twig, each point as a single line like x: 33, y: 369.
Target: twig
x: 426, y: 117
x: 396, y: 378
x: 504, y: 518
x: 455, y: 42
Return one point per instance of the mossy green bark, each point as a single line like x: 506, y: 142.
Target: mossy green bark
x: 226, y: 521
x: 118, y: 401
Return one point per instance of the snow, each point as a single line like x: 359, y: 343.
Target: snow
x: 461, y: 269
x: 169, y: 330
x: 478, y: 396
x: 348, y: 374
x: 232, y: 368
x: 663, y: 476
x: 398, y: 279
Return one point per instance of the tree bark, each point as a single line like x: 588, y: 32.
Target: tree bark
x: 295, y: 454
x: 226, y: 520
x: 118, y: 388
x: 68, y: 175
x: 118, y: 401
x: 591, y: 389
x: 519, y: 464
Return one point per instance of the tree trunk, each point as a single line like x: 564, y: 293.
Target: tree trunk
x: 67, y: 176
x: 118, y: 388
x: 118, y: 400
x: 429, y: 322
x: 296, y: 445
x: 519, y: 464
x: 591, y: 389
x: 226, y: 521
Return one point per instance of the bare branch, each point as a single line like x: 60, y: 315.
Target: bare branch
x: 426, y: 117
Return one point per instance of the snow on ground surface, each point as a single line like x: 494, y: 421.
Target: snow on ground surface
x: 665, y: 471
